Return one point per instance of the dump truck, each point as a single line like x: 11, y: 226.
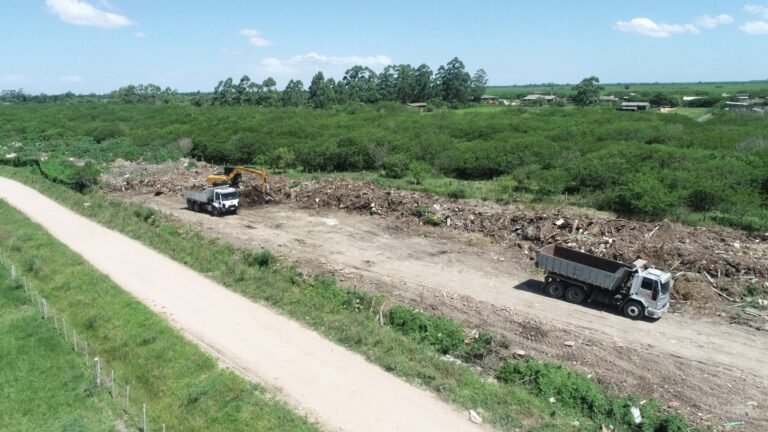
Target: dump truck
x: 577, y: 276
x: 217, y: 200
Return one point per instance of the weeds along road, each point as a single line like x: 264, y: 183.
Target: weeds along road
x: 338, y: 388
x: 708, y: 367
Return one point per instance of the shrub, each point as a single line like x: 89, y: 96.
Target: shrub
x: 443, y: 334
x: 419, y: 171
x: 458, y: 192
x: 395, y: 166
x: 261, y: 259
x: 550, y: 380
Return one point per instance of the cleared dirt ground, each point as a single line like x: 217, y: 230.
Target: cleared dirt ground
x: 708, y: 369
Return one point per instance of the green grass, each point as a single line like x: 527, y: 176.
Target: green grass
x: 182, y: 386
x: 348, y: 317
x: 44, y: 386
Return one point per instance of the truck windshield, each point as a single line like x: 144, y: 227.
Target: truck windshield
x: 228, y: 196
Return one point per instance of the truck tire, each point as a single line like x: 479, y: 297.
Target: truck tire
x: 190, y: 204
x: 554, y: 289
x: 633, y: 310
x: 575, y: 294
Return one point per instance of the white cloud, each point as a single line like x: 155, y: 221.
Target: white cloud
x: 757, y: 10
x: 304, y: 66
x: 140, y: 34
x: 647, y: 27
x: 12, y: 78
x: 71, y: 79
x: 81, y: 13
x: 754, y: 28
x: 710, y: 22
x: 255, y: 37
x: 314, y: 60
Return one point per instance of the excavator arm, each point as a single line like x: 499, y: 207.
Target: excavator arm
x: 232, y: 176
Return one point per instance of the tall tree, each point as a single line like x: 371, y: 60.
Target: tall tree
x: 454, y: 81
x: 294, y: 94
x: 321, y: 93
x: 587, y: 92
x: 422, y: 84
x: 360, y: 84
x: 479, y: 82
x: 387, y: 83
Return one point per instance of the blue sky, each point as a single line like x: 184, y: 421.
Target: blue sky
x: 86, y: 46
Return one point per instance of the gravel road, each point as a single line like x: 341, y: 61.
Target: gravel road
x: 338, y: 388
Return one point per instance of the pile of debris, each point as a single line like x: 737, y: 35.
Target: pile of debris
x: 702, y: 255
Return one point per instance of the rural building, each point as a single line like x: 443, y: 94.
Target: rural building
x: 634, y: 106
x: 536, y: 96
x: 417, y: 104
x: 691, y: 98
x: 609, y: 99
x: 743, y: 106
x: 489, y: 99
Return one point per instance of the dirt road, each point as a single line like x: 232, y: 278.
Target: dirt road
x: 709, y: 370
x: 335, y: 386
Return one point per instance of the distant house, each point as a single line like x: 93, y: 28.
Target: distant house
x: 744, y: 97
x: 536, y: 96
x: 417, y: 104
x: 609, y: 99
x: 743, y: 106
x: 691, y: 98
x: 489, y: 99
x: 634, y: 106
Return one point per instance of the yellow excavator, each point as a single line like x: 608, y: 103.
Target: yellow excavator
x: 233, y: 174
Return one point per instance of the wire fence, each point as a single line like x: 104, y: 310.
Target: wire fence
x: 102, y: 375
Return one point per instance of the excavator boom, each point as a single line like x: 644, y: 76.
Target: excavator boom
x: 232, y: 177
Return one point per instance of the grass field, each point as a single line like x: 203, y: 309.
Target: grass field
x: 182, y: 386
x: 44, y: 386
x: 348, y: 317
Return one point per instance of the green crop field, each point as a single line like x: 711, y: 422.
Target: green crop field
x: 753, y: 88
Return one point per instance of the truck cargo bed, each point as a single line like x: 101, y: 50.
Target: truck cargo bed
x: 583, y: 267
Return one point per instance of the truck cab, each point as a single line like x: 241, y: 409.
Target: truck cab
x: 226, y: 200
x: 650, y: 288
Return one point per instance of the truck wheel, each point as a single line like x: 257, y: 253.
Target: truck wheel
x: 575, y: 294
x: 190, y: 205
x: 196, y: 206
x: 633, y: 310
x: 554, y: 289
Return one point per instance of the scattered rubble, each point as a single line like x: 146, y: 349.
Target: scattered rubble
x: 710, y: 264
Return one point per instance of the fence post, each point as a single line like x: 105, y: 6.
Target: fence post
x: 163, y: 427
x: 55, y: 321
x: 127, y: 397
x: 113, y: 383
x: 86, y: 350
x: 13, y: 271
x: 64, y: 326
x: 45, y: 309
x: 74, y: 339
x: 98, y: 372
x: 144, y: 415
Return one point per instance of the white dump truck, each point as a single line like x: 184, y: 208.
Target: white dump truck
x: 579, y: 276
x: 217, y: 200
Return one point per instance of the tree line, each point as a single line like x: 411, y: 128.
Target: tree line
x: 403, y: 83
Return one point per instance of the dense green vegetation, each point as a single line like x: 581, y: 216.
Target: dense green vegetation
x: 43, y: 384
x: 408, y: 345
x: 646, y: 165
x: 183, y: 387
